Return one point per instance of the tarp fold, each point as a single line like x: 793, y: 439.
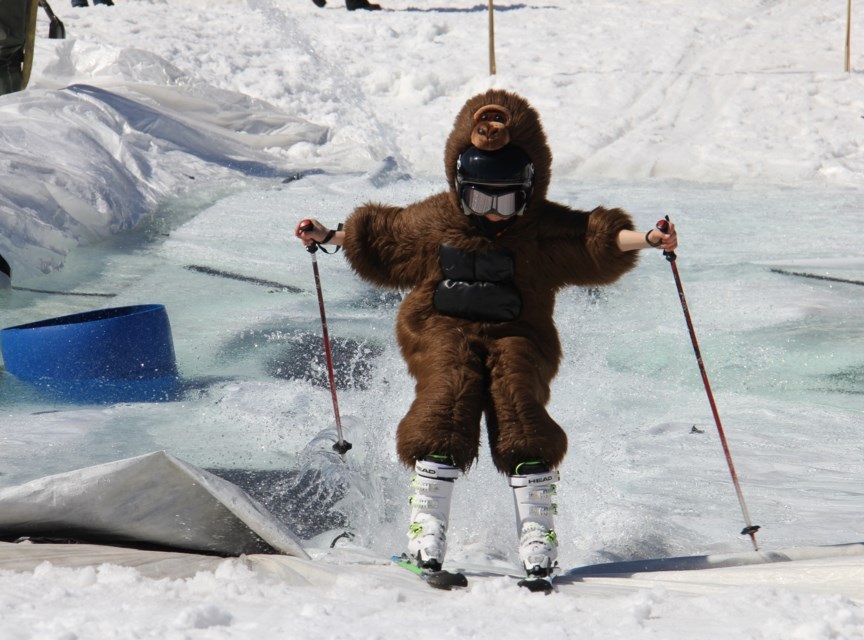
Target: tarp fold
x: 150, y: 501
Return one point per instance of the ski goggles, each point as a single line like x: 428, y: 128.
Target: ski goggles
x: 479, y: 202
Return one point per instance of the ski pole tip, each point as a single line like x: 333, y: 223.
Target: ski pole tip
x: 342, y: 447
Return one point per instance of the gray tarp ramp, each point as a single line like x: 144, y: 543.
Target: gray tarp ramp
x: 152, y: 501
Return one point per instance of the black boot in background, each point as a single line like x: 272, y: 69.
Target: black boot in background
x: 351, y: 5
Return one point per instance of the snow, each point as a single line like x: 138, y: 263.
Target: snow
x: 158, y: 135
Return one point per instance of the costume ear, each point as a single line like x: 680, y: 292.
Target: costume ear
x: 490, y: 131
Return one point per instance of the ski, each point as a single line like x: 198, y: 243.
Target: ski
x: 442, y: 579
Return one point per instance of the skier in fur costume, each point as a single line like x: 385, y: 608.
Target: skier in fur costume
x: 483, y: 262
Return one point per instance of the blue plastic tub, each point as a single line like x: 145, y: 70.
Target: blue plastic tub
x: 122, y: 354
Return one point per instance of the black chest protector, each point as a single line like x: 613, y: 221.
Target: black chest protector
x: 477, y: 286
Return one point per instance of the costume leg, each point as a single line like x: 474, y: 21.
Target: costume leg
x: 444, y: 418
x: 520, y: 429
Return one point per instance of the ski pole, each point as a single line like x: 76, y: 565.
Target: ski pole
x: 341, y: 446
x: 750, y: 529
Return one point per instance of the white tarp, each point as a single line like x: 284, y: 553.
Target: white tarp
x: 154, y: 500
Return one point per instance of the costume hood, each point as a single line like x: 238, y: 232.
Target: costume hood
x: 491, y: 120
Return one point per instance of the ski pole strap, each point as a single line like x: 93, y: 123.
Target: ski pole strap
x: 328, y: 238
x: 648, y: 240
x: 312, y: 248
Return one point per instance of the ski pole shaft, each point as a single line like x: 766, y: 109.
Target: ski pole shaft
x: 750, y: 529
x: 341, y: 446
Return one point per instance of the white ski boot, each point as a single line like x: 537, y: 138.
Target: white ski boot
x: 430, y: 513
x: 533, y: 493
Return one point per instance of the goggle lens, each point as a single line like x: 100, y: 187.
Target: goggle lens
x: 505, y: 204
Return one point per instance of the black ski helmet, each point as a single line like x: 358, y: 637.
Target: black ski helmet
x: 509, y: 166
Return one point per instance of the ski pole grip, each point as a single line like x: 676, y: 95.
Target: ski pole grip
x: 663, y: 226
x: 306, y: 225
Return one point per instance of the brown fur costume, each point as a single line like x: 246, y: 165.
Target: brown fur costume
x: 465, y: 368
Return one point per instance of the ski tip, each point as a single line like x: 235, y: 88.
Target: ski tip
x: 404, y: 562
x: 445, y: 580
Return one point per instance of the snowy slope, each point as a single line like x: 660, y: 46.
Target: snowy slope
x: 711, y: 92
x: 285, y: 597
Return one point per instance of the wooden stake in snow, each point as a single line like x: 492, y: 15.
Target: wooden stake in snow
x: 492, y: 37
x: 848, y: 65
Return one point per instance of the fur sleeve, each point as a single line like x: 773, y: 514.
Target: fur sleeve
x: 582, y: 246
x: 394, y: 247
